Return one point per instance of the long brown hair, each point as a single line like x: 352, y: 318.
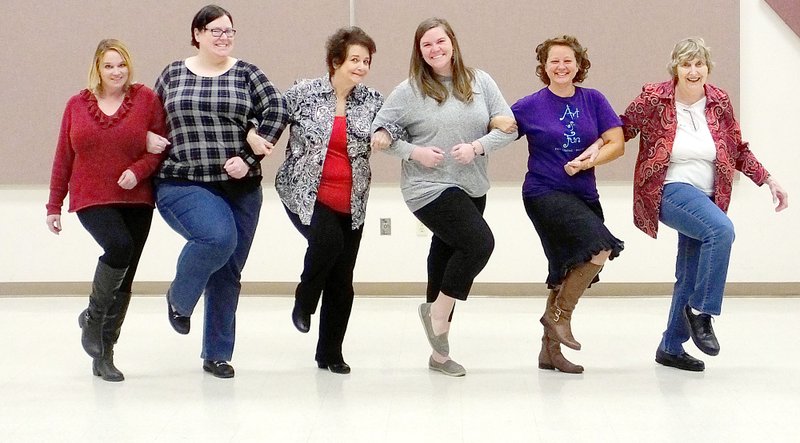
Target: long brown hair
x: 422, y: 74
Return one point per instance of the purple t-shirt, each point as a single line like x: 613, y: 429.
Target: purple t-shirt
x: 558, y: 129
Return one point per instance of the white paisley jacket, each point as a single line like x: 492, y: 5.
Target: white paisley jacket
x: 311, y: 104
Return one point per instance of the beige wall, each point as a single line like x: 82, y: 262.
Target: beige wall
x: 46, y: 57
x: 765, y: 249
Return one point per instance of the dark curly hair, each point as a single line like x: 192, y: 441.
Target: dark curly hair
x: 338, y: 44
x: 581, y: 58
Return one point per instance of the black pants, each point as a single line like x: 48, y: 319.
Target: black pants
x: 121, y: 230
x: 328, y: 274
x: 461, y: 245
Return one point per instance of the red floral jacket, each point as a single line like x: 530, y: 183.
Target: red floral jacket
x: 652, y: 114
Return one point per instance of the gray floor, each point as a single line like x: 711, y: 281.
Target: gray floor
x: 750, y: 392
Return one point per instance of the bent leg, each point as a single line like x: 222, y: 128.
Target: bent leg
x: 207, y: 223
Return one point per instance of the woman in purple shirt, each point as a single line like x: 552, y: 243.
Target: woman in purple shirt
x: 570, y: 130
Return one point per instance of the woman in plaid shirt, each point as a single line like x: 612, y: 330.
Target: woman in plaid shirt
x: 223, y: 115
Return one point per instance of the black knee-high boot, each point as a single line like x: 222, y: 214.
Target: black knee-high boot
x: 104, y: 366
x: 104, y: 288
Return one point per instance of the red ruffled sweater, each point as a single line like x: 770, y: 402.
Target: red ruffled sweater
x: 94, y: 149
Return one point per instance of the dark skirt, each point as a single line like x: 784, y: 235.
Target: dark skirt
x: 571, y: 231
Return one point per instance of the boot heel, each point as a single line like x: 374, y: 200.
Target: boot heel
x: 546, y: 366
x: 95, y: 371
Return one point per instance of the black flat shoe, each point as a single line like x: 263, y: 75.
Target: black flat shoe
x: 180, y: 323
x: 701, y: 331
x: 684, y: 361
x: 218, y: 368
x: 336, y: 368
x: 301, y: 320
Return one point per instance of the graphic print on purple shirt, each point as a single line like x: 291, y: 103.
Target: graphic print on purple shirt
x: 558, y: 129
x: 572, y: 138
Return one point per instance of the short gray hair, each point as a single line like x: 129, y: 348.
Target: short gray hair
x: 686, y: 50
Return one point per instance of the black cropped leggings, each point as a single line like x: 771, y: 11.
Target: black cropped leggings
x: 461, y: 245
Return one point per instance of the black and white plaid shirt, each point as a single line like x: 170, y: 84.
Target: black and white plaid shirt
x: 208, y: 119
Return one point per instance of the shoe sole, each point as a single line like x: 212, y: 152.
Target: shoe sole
x: 664, y: 363
x: 217, y: 375
x: 451, y: 374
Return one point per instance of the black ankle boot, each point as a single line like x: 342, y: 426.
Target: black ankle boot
x: 104, y: 367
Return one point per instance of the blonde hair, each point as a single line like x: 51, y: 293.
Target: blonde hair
x: 105, y: 45
x: 422, y: 74
x: 689, y: 49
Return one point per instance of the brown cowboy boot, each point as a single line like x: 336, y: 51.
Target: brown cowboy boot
x: 557, y: 316
x: 551, y: 357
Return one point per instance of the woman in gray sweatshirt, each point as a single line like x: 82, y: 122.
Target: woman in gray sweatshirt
x: 437, y: 122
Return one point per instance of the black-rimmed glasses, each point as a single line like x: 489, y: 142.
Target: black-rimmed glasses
x: 217, y: 32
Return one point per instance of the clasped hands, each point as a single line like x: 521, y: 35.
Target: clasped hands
x: 586, y: 160
x: 236, y: 166
x: 432, y: 156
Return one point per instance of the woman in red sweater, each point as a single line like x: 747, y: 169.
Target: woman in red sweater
x: 102, y: 161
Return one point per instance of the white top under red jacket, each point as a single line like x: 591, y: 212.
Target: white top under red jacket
x: 653, y: 114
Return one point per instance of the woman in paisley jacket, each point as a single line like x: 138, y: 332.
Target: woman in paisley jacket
x: 689, y: 149
x: 324, y: 184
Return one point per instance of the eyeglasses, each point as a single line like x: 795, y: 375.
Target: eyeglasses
x: 217, y: 32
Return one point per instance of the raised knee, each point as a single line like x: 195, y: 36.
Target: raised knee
x: 725, y: 232
x: 483, y: 244
x: 222, y: 240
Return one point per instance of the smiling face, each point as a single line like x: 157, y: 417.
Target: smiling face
x: 113, y: 72
x: 215, y: 46
x: 437, y: 51
x: 561, y: 66
x: 355, y: 66
x: 692, y: 75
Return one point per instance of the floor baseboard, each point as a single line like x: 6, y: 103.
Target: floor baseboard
x: 404, y: 289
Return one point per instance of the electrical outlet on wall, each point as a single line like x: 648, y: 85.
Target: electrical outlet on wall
x: 422, y: 231
x: 386, y: 226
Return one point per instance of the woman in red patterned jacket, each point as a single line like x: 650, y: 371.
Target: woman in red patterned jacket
x: 689, y: 149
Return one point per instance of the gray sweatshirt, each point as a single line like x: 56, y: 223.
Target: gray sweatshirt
x: 414, y: 120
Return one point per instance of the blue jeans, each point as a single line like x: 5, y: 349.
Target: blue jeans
x: 705, y: 236
x: 219, y: 228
